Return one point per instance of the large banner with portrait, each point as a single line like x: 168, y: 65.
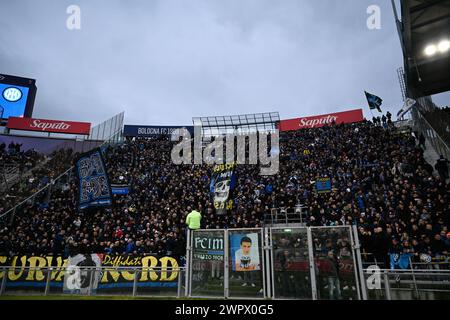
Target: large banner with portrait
x: 245, y: 251
x: 94, y: 187
x: 223, y: 182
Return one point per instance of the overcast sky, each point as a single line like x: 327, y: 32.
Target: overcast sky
x: 165, y: 61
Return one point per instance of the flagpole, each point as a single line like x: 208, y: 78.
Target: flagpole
x: 371, y: 112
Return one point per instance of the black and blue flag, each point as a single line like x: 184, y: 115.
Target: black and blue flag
x: 374, y: 101
x: 94, y: 186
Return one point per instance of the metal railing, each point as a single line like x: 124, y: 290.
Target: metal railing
x: 385, y: 284
x: 422, y: 125
x: 100, y: 281
x: 283, y: 215
x: 313, y: 263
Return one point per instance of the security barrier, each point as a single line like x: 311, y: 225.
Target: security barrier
x: 413, y: 284
x: 100, y: 281
x: 314, y: 263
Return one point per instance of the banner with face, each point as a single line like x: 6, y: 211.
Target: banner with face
x: 222, y: 184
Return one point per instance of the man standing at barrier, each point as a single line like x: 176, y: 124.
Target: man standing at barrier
x: 193, y: 219
x: 333, y: 276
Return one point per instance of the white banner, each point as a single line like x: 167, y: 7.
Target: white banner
x: 409, y: 103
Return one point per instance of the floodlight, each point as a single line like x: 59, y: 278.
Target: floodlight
x: 443, y: 46
x: 430, y: 50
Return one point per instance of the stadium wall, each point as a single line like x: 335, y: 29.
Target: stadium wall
x: 48, y: 145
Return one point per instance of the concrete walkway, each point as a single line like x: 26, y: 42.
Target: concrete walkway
x: 431, y: 157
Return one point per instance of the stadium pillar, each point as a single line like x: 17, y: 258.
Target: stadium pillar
x: 91, y: 278
x: 226, y: 271
x: 359, y: 269
x: 268, y: 262
x: 136, y: 273
x: 312, y: 265
x: 180, y: 272
x: 387, y: 286
x: 188, y: 265
x: 3, y: 285
x: 414, y: 279
x: 47, y: 283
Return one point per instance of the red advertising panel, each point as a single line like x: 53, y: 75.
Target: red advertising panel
x: 322, y: 120
x: 44, y: 125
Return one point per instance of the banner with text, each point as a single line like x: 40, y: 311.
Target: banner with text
x: 153, y: 131
x: 207, y: 247
x: 72, y: 274
x: 44, y: 125
x: 321, y: 120
x: 223, y: 182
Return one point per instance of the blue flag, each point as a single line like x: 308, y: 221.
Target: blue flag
x: 94, y: 186
x: 373, y: 101
x: 400, y: 260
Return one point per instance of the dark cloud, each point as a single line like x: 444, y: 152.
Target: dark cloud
x: 166, y: 61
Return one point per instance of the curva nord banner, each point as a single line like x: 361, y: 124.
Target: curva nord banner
x: 73, y: 275
x: 321, y: 120
x: 44, y: 125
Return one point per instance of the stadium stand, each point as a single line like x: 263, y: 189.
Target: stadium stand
x: 381, y: 182
x: 34, y: 170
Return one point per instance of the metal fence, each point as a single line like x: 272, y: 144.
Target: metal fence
x: 413, y: 284
x: 298, y: 214
x: 110, y: 130
x: 431, y: 126
x: 316, y: 263
x: 100, y: 281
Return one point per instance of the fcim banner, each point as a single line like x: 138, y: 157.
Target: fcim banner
x: 74, y: 275
x: 223, y: 182
x: 94, y: 187
x: 208, y: 247
x: 153, y: 131
x: 322, y: 120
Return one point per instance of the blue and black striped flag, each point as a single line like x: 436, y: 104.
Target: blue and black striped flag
x: 374, y: 101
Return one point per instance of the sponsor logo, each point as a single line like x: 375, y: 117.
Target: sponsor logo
x: 44, y: 126
x: 311, y: 123
x: 321, y: 120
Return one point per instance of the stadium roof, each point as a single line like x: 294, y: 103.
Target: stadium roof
x: 425, y: 24
x: 244, y: 123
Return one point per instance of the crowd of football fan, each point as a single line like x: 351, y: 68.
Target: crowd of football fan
x: 25, y: 172
x: 381, y: 182
x: 13, y: 156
